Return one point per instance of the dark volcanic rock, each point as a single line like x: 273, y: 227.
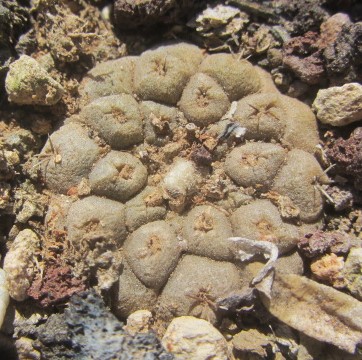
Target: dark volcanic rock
x: 308, y: 18
x: 88, y: 330
x: 307, y: 15
x: 343, y: 58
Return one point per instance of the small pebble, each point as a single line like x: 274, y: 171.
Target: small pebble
x: 139, y: 322
x: 190, y: 338
x: 20, y: 264
x: 329, y: 269
x: 251, y: 342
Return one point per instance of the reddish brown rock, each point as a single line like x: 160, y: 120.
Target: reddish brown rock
x: 303, y: 57
x: 310, y: 69
x: 331, y: 28
x: 347, y: 155
x: 306, y: 56
x: 201, y: 156
x: 320, y: 242
x: 302, y: 45
x: 55, y: 286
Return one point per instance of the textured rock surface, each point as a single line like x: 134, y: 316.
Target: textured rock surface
x: 251, y: 341
x: 28, y: 83
x: 20, y: 263
x: 87, y: 330
x: 302, y: 58
x: 329, y: 270
x: 139, y: 322
x: 347, y: 155
x: 191, y: 338
x: 352, y: 272
x: 25, y: 350
x: 339, y: 106
x: 303, y: 55
x: 321, y: 242
x: 4, y: 296
x: 343, y: 57
x: 15, y: 21
x: 56, y: 285
x: 159, y: 145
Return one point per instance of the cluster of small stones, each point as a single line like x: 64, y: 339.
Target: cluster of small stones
x: 179, y: 151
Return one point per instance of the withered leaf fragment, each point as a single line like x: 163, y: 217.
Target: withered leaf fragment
x: 316, y: 310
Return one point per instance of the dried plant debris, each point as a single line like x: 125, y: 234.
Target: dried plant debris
x: 29, y: 204
x: 74, y: 32
x: 148, y: 13
x: 226, y: 28
x: 317, y: 311
x: 62, y: 33
x: 88, y: 330
x: 19, y: 199
x: 249, y: 248
x: 219, y: 24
